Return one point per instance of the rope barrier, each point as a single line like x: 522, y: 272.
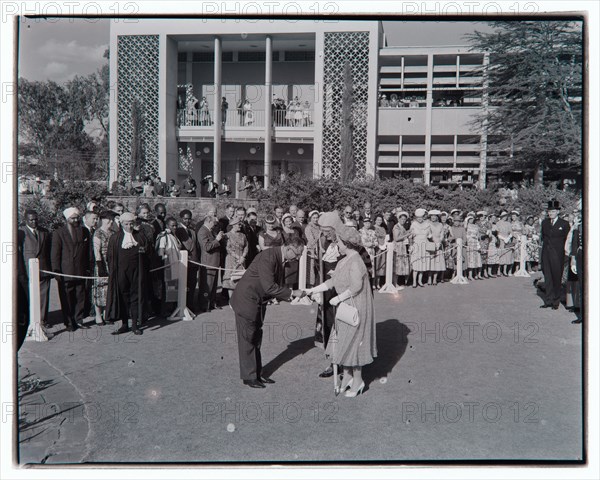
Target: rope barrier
x: 216, y: 268
x: 72, y: 276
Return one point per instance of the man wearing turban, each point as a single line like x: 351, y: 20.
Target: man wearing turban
x: 70, y: 256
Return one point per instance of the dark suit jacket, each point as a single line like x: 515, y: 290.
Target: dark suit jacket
x: 210, y: 247
x: 70, y: 255
x: 554, y: 237
x: 33, y: 248
x: 261, y: 282
x: 158, y: 225
x: 188, y: 239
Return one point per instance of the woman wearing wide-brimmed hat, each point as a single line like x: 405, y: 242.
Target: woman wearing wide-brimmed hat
x: 420, y: 233
x: 351, y: 346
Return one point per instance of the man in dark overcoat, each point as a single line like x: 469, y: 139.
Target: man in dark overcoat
x: 70, y: 256
x: 554, y: 235
x: 210, y: 256
x: 261, y: 282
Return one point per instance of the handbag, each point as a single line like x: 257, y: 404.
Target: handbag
x: 430, y: 247
x: 347, y: 314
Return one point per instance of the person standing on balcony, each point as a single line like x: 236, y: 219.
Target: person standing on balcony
x: 224, y: 189
x: 248, y: 113
x: 189, y: 186
x: 224, y: 107
x: 306, y: 114
x: 205, y: 120
x: 243, y: 187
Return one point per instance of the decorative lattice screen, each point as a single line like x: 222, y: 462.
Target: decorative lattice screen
x: 340, y: 46
x: 137, y: 78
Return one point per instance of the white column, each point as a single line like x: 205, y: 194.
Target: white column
x: 35, y: 332
x: 217, y: 114
x: 268, y: 96
x: 427, y: 169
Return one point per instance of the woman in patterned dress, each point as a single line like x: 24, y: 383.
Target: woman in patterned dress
x: 533, y: 243
x: 505, y: 251
x: 437, y: 262
x: 484, y: 241
x: 380, y: 229
x: 492, y: 252
x: 312, y: 232
x: 237, y: 250
x: 401, y: 261
x: 420, y: 232
x: 100, y: 285
x: 517, y: 231
x: 351, y: 346
x: 473, y: 246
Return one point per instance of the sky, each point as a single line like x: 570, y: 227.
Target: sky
x: 59, y: 49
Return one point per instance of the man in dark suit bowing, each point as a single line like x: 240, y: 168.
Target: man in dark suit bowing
x: 554, y: 235
x: 261, y: 282
x: 70, y: 256
x: 35, y: 243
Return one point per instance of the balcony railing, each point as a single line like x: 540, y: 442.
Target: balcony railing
x: 245, y: 119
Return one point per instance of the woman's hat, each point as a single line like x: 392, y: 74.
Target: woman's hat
x: 454, y: 210
x: 420, y: 212
x: 251, y: 210
x: 270, y: 219
x: 503, y: 213
x: 482, y: 213
x: 313, y: 212
x: 399, y: 214
x: 472, y: 217
x: 435, y: 212
x: 349, y: 235
x: 444, y: 213
x: 553, y: 205
x: 286, y: 216
x: 515, y: 212
x: 330, y: 219
x: 367, y: 219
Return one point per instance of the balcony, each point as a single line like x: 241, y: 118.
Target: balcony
x: 249, y: 125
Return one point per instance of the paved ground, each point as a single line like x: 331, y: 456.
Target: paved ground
x: 463, y: 372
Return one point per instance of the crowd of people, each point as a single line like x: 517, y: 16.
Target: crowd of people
x: 131, y: 256
x: 153, y: 186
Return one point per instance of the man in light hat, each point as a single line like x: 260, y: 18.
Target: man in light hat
x: 128, y: 269
x: 70, y: 256
x: 554, y: 235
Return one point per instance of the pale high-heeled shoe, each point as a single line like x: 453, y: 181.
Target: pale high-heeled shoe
x: 351, y: 394
x: 343, y: 388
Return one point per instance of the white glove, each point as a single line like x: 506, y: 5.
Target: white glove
x: 318, y: 289
x: 334, y: 301
x: 340, y: 298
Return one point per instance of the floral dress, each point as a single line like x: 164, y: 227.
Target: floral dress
x: 237, y: 249
x: 100, y: 285
x: 171, y: 246
x: 533, y: 243
x: 504, y: 229
x: 380, y: 258
x: 312, y: 235
x: 401, y: 262
x: 473, y: 246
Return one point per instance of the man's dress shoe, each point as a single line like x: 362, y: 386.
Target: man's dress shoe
x: 266, y: 380
x: 254, y: 384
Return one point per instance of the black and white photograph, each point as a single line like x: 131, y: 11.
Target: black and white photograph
x: 307, y: 237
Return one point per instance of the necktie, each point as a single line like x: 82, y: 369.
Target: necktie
x: 35, y: 234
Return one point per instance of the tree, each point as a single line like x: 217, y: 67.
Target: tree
x: 347, y: 167
x: 136, y: 139
x: 534, y: 78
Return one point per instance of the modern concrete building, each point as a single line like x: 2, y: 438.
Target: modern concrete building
x: 264, y: 98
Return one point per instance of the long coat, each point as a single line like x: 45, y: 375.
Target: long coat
x: 210, y: 247
x: 553, y: 256
x: 116, y: 309
x: 71, y: 255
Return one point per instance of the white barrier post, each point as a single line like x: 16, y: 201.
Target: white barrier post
x: 35, y: 332
x: 388, y: 286
x: 459, y: 279
x: 182, y: 311
x: 302, y: 269
x: 522, y: 272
